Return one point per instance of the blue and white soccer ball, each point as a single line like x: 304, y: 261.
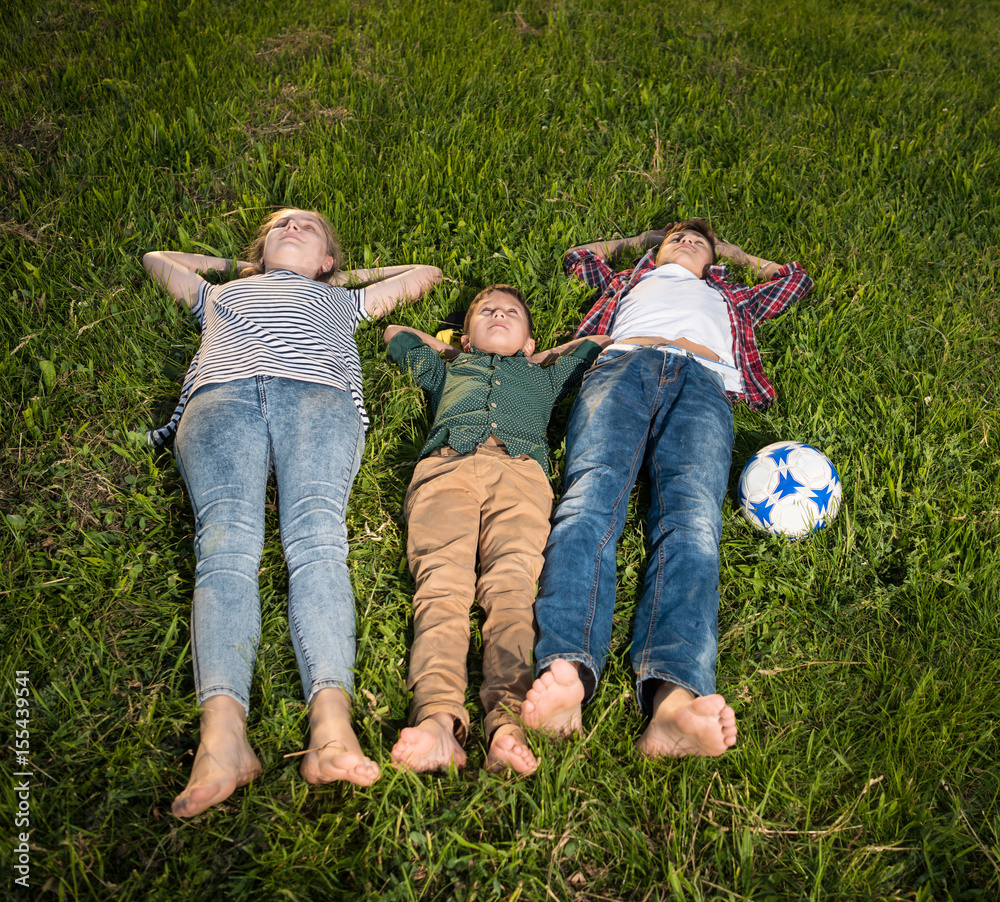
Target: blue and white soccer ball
x: 790, y: 489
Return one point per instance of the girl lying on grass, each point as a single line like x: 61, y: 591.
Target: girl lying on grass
x: 275, y: 385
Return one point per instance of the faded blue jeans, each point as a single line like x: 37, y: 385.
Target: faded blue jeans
x: 668, y: 413
x: 230, y: 437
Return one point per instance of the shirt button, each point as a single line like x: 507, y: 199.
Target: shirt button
x: 497, y: 382
x: 493, y: 405
x: 494, y: 425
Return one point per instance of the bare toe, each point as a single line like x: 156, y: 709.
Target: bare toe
x: 430, y: 745
x: 336, y: 762
x: 509, y: 750
x: 683, y: 724
x: 224, y: 760
x: 554, y: 702
x: 335, y: 753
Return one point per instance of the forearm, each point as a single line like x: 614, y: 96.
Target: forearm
x: 389, y: 286
x: 178, y: 272
x: 544, y: 357
x: 762, y: 267
x: 435, y: 344
x: 358, y: 277
x: 160, y: 262
x: 612, y: 248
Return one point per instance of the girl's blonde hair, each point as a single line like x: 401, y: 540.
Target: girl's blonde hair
x: 255, y: 252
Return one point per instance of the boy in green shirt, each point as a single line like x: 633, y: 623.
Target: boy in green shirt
x: 480, y: 489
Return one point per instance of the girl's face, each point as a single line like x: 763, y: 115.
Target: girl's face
x: 297, y: 242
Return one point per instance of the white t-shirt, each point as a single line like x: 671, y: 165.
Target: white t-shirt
x: 670, y: 301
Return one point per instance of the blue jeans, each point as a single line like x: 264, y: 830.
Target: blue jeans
x: 640, y: 407
x: 230, y: 437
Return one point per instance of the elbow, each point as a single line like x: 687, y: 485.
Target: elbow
x: 149, y: 260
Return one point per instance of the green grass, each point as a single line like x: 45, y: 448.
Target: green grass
x: 486, y: 138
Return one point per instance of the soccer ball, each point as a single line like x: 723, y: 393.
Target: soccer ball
x: 790, y: 489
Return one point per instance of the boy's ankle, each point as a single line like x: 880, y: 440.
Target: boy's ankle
x: 446, y: 721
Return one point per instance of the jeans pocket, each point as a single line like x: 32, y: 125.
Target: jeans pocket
x: 606, y: 358
x: 720, y: 386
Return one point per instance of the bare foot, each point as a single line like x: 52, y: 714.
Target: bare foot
x: 224, y: 759
x: 509, y: 749
x: 430, y: 745
x: 683, y: 724
x: 553, y: 703
x: 335, y: 753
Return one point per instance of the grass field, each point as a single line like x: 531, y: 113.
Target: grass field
x: 861, y: 139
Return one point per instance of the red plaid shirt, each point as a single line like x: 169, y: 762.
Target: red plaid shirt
x: 747, y: 305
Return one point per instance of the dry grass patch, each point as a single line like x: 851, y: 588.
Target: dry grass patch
x: 17, y: 230
x: 304, y: 44
x: 293, y: 110
x: 23, y: 149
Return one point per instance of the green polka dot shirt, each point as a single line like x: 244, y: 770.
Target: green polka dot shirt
x: 479, y: 395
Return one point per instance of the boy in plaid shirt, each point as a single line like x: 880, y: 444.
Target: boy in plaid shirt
x: 659, y: 396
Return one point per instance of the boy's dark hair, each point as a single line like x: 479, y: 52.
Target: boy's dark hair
x: 699, y: 226
x: 502, y: 289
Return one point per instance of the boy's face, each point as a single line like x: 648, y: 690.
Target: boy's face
x: 499, y: 326
x: 688, y: 248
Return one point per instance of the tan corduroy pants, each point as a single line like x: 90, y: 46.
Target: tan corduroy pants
x: 489, y: 505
